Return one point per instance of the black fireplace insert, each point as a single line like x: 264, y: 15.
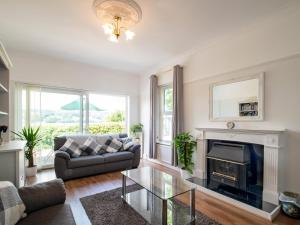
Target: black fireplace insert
x: 235, y: 169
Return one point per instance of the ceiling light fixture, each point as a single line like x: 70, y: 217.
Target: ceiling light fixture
x: 118, y: 16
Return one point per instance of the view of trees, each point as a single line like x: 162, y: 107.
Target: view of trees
x: 117, y: 116
x: 114, y: 123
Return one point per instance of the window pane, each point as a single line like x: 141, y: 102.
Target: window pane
x: 56, y: 114
x: 166, y: 114
x: 167, y: 128
x: 107, y: 114
x: 168, y: 99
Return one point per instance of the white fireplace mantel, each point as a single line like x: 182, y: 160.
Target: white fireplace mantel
x: 274, y: 142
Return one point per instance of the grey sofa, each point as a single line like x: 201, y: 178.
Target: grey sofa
x: 68, y: 168
x: 45, y: 204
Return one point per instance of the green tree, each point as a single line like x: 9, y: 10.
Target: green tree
x: 117, y: 116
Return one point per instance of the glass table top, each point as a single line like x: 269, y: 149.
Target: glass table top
x: 149, y: 207
x: 161, y: 184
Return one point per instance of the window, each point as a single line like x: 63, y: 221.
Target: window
x: 62, y: 112
x: 166, y: 111
x: 107, y: 114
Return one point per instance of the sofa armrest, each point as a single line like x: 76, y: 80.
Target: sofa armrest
x: 43, y: 195
x: 62, y: 154
x: 136, y: 150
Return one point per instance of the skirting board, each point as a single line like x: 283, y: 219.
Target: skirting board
x: 269, y: 216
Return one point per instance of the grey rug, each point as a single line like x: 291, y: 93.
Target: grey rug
x: 107, y: 208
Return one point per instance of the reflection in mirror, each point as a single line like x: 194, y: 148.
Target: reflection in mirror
x: 237, y: 100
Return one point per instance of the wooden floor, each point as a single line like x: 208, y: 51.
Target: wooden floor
x: 220, y: 211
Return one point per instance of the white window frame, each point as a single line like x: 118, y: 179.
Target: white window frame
x: 162, y: 112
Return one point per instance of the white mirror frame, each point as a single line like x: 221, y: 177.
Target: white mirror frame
x: 260, y: 117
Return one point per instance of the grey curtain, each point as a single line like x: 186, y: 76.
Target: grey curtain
x: 153, y: 115
x: 177, y: 108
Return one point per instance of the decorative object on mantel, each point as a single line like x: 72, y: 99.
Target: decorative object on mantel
x: 290, y: 204
x: 185, y: 145
x: 2, y: 129
x: 32, y: 138
x: 118, y: 16
x: 230, y: 125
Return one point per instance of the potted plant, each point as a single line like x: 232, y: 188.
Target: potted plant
x: 185, y: 145
x: 32, y: 138
x: 136, y: 130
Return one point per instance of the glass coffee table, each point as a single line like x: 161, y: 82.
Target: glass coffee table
x: 158, y: 200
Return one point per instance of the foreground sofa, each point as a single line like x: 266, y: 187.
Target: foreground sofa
x: 68, y: 168
x: 45, y: 205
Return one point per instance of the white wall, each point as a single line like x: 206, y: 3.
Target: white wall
x: 273, y: 47
x: 40, y: 69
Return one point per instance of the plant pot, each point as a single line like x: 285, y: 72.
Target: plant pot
x: 185, y: 174
x: 31, y: 171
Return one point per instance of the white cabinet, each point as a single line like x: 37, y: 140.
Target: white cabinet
x: 12, y: 163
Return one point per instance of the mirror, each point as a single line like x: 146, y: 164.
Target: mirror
x: 237, y: 100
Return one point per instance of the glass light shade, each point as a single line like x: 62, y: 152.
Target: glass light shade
x: 129, y: 35
x: 108, y: 28
x: 113, y: 38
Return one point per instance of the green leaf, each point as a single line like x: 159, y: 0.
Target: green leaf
x: 32, y: 138
x: 185, y: 145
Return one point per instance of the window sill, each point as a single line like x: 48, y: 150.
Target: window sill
x: 166, y: 143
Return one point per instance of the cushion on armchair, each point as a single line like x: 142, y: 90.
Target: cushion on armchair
x: 43, y: 195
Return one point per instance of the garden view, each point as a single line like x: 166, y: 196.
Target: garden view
x: 60, y: 114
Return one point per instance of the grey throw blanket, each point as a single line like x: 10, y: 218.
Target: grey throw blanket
x: 11, y: 206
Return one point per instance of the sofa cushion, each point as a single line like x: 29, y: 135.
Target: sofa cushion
x: 101, y: 139
x: 81, y: 138
x: 54, y: 215
x: 127, y: 144
x: 118, y: 156
x: 43, y: 195
x: 113, y: 145
x: 72, y: 148
x: 91, y: 147
x: 85, y: 161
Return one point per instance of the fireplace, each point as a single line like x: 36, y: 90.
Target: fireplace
x: 242, y: 167
x: 235, y: 169
x: 229, y: 164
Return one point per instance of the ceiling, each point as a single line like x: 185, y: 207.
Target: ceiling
x: 69, y: 29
